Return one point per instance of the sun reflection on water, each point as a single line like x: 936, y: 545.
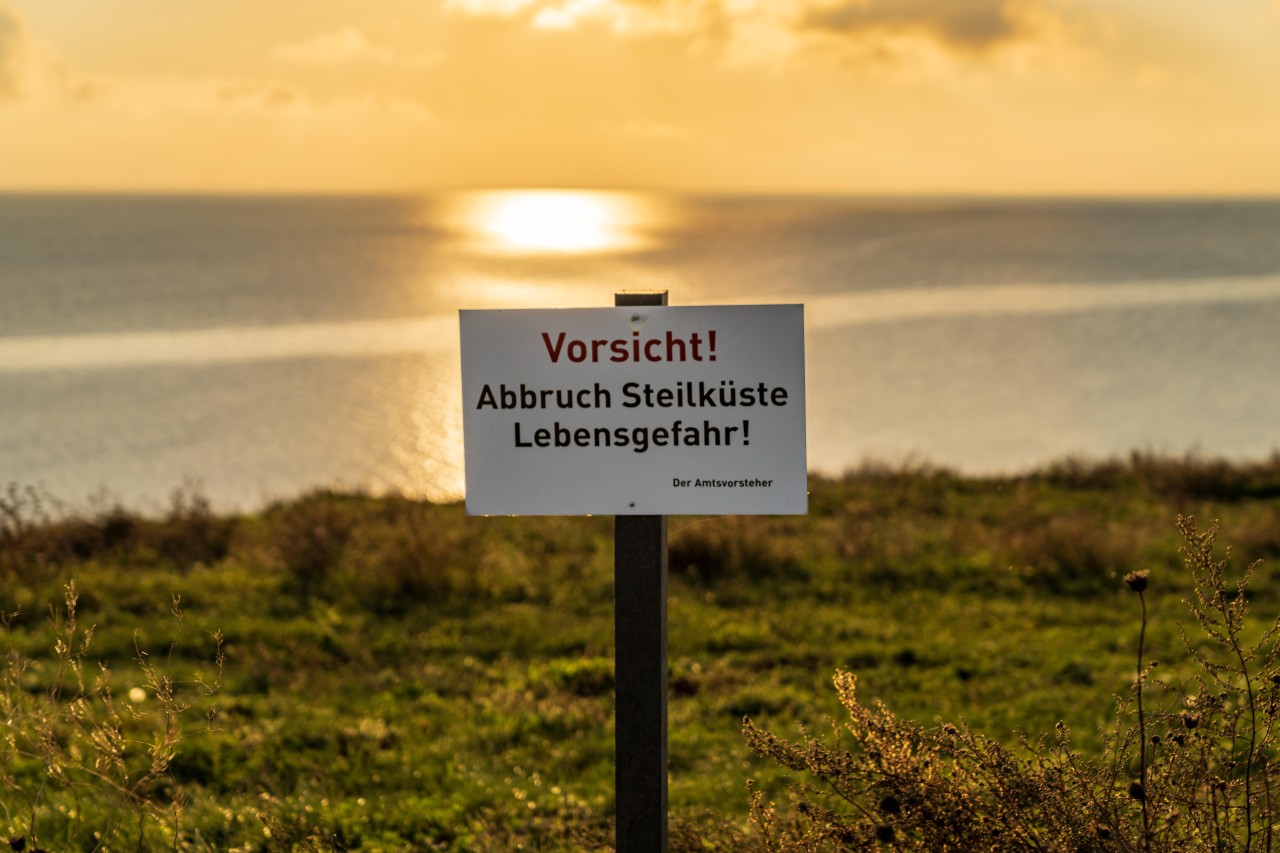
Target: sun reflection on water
x: 517, y: 248
x: 432, y: 458
x: 555, y: 222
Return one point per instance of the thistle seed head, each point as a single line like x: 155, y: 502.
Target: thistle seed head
x: 1137, y: 581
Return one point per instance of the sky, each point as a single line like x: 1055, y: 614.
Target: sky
x: 989, y: 97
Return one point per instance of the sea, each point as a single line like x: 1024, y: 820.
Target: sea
x: 248, y: 349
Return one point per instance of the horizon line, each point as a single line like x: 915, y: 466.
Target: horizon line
x: 692, y: 192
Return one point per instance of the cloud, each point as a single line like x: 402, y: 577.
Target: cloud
x: 623, y: 17
x: 492, y: 8
x: 31, y: 71
x: 14, y: 52
x: 882, y: 32
x: 227, y: 97
x: 966, y: 26
x: 229, y: 94
x: 345, y: 45
x: 34, y: 74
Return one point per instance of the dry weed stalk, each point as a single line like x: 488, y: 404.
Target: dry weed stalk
x: 1205, y: 779
x: 79, y: 767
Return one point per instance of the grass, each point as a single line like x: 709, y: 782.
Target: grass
x: 398, y: 676
x: 1190, y: 768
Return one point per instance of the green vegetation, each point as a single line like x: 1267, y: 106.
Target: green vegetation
x: 344, y: 671
x: 1196, y: 776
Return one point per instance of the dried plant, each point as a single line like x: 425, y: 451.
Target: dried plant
x: 83, y: 768
x: 1204, y: 775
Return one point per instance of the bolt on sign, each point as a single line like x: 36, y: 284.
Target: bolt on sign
x: 650, y: 410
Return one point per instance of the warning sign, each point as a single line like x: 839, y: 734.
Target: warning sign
x: 649, y: 410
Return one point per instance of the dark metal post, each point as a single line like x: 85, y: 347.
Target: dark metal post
x: 640, y: 667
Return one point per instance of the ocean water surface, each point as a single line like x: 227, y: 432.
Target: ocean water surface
x: 258, y: 347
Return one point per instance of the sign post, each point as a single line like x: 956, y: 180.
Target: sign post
x: 639, y: 411
x: 640, y: 667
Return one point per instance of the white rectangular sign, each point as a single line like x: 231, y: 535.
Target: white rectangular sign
x: 645, y: 410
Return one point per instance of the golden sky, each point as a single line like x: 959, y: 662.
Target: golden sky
x: 1101, y: 97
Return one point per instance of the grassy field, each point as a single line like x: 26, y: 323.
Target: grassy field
x: 343, y: 671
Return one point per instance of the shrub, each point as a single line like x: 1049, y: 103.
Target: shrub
x: 191, y: 532
x: 38, y: 535
x: 413, y: 552
x: 719, y: 549
x: 311, y: 535
x: 1193, y: 772
x: 1072, y: 552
